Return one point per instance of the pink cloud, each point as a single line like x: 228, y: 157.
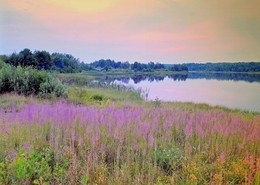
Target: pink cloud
x: 112, y: 27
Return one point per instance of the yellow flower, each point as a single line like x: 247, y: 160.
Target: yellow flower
x: 193, y: 177
x: 218, y: 178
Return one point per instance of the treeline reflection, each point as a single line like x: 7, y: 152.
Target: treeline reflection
x: 183, y: 77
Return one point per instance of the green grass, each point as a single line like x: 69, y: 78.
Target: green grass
x: 63, y: 152
x: 8, y: 100
x: 102, y: 96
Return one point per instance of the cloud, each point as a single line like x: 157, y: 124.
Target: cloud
x: 144, y: 30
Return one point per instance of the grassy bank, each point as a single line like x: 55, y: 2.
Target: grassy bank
x: 104, y: 96
x: 87, y: 79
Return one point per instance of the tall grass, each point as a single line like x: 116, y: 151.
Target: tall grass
x: 75, y: 144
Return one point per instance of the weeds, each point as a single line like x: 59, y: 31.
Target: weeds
x: 64, y: 143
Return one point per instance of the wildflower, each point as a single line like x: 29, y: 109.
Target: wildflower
x: 193, y: 177
x: 218, y: 178
x: 151, y: 140
x: 26, y: 147
x: 222, y: 157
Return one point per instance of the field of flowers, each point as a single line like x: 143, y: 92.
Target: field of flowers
x: 64, y: 143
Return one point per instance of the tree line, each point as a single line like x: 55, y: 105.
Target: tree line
x: 66, y: 63
x: 136, y: 66
x: 43, y: 60
x: 225, y: 67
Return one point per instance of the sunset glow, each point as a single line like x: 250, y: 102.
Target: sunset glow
x: 165, y: 31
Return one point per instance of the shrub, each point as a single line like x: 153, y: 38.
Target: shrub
x: 97, y: 97
x: 33, y: 167
x: 169, y: 159
x: 52, y: 87
x: 29, y: 81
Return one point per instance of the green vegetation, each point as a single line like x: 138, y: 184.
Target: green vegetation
x: 12, y: 100
x: 34, y: 166
x: 108, y: 134
x: 43, y: 60
x: 108, y: 65
x: 66, y: 63
x: 225, y: 67
x: 103, y: 96
x: 29, y: 81
x: 147, y: 143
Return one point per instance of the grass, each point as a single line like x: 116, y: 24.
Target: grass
x: 108, y: 134
x: 10, y: 100
x: 103, y: 96
x: 134, y: 142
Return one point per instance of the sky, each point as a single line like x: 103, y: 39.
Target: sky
x: 165, y: 31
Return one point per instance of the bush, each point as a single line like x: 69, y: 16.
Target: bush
x: 169, y: 159
x: 29, y: 81
x: 52, y: 87
x: 33, y: 167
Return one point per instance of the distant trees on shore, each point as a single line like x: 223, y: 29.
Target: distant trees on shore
x: 136, y: 66
x: 66, y: 63
x: 225, y: 67
x: 43, y: 60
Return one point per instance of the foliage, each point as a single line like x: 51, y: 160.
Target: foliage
x: 225, y: 67
x: 30, y: 166
x: 29, y: 81
x: 52, y: 87
x: 151, y: 66
x: 43, y: 60
x: 9, y: 102
x: 157, y: 102
x: 102, y: 95
x: 66, y: 63
x: 24, y: 58
x: 128, y: 144
x: 169, y: 160
x: 110, y: 63
x: 178, y: 67
x: 88, y: 97
x: 136, y: 66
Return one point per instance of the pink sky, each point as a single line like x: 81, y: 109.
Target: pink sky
x: 165, y: 31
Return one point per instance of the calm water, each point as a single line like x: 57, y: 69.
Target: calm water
x: 230, y: 90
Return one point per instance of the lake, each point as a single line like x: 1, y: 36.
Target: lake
x: 240, y: 91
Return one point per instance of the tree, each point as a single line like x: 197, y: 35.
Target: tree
x: 136, y: 66
x: 151, y: 65
x: 44, y: 60
x: 178, y: 67
x: 24, y: 58
x: 67, y: 63
x: 125, y: 65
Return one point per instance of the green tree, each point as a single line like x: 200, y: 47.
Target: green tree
x: 44, y: 60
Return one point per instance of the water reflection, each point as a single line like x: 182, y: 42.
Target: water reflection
x: 226, y: 89
x: 232, y: 90
x: 137, y: 78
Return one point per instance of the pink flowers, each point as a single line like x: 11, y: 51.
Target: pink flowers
x: 137, y: 137
x: 134, y: 124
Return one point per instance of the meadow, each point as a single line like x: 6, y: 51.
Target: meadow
x: 69, y: 141
x: 100, y: 133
